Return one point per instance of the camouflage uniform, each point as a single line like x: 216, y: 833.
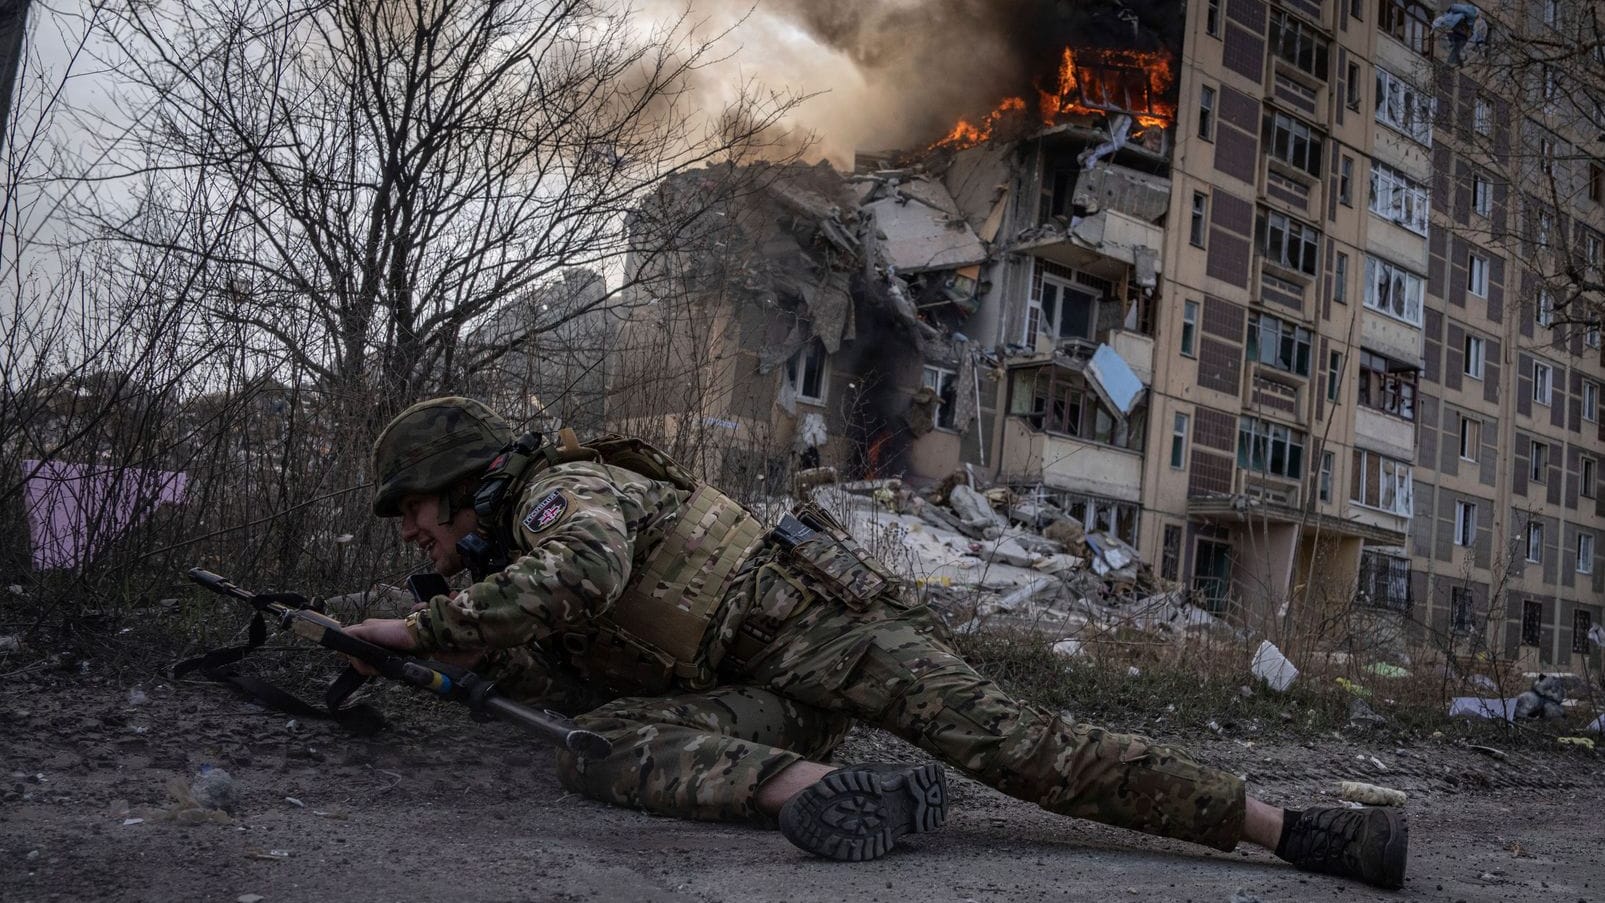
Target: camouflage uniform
x: 702, y: 749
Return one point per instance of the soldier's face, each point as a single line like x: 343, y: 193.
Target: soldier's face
x: 421, y: 526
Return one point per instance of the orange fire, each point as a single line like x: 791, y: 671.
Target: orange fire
x: 966, y: 134
x: 1090, y: 81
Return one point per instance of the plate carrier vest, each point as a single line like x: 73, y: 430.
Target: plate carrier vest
x: 654, y: 633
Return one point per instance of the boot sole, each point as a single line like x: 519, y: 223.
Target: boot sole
x: 858, y: 815
x: 1396, y: 852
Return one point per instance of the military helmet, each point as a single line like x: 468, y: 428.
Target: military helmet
x: 432, y: 445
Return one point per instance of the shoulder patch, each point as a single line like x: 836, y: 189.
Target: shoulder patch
x: 547, y: 511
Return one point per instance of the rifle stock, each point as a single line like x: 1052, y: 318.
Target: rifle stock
x: 448, y: 681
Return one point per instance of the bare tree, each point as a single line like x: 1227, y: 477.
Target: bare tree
x: 358, y: 182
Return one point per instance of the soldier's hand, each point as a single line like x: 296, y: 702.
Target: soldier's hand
x: 391, y: 633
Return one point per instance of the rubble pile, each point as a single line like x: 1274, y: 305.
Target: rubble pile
x: 992, y: 558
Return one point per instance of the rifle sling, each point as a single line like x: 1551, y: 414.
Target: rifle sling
x: 222, y: 666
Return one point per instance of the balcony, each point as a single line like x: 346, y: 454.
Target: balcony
x: 1393, y: 436
x: 1390, y: 337
x: 1069, y: 464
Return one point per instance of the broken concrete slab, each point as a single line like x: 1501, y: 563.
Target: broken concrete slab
x: 922, y: 225
x: 974, y: 512
x: 1007, y: 551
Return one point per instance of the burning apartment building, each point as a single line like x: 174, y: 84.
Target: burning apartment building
x: 1208, y: 280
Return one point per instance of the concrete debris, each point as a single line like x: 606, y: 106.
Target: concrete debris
x: 1271, y: 666
x: 954, y: 544
x: 1370, y: 794
x: 975, y: 513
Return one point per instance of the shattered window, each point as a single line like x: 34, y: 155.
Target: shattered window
x: 1382, y: 482
x: 1066, y: 312
x: 943, y: 381
x: 1280, y: 344
x: 1386, y: 386
x: 1407, y: 21
x: 1393, y: 290
x: 1212, y: 574
x: 1399, y: 198
x: 1294, y: 143
x: 805, y: 373
x: 1298, y: 43
x: 1289, y: 243
x: 1402, y: 106
x: 1270, y: 448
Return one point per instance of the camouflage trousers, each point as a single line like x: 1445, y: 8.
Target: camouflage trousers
x: 705, y: 754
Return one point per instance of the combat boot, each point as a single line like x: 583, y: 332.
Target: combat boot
x: 1370, y: 844
x: 857, y: 813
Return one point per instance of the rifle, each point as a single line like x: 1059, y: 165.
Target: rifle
x: 295, y: 614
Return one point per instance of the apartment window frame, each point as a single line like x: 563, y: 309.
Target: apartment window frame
x: 1346, y: 181
x: 1476, y: 356
x: 1482, y: 116
x: 1353, y: 98
x: 1535, y: 542
x: 1462, y: 610
x: 1582, y: 624
x: 1323, y: 486
x: 944, y: 381
x: 1279, y: 343
x: 808, y: 373
x: 1178, y: 440
x: 1465, y: 535
x: 1385, y: 580
x: 1298, y: 44
x: 1382, y: 483
x: 1387, y: 387
x: 1340, y: 277
x: 1170, y: 553
x: 1403, y: 107
x: 1482, y: 195
x: 1406, y: 21
x: 1206, y: 112
x: 1212, y: 18
x: 1585, y: 553
x: 1198, y: 223
x: 1590, y: 401
x: 1470, y: 438
x: 1538, y: 463
x: 1294, y: 142
x: 1055, y: 307
x: 1477, y: 268
x: 1532, y: 622
x: 1551, y: 13
x: 1189, y: 328
x: 1334, y: 376
x: 1270, y: 448
x: 1394, y: 291
x: 1288, y: 243
x: 1544, y: 309
x: 1587, y: 477
x: 1544, y: 385
x: 1399, y: 199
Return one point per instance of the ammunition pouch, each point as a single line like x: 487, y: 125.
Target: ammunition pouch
x: 823, y: 551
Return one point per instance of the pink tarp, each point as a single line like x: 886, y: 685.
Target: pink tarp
x: 74, y: 510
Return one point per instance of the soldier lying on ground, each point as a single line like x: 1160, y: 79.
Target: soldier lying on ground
x: 724, y: 660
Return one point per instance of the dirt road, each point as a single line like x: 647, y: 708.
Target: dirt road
x: 437, y: 808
